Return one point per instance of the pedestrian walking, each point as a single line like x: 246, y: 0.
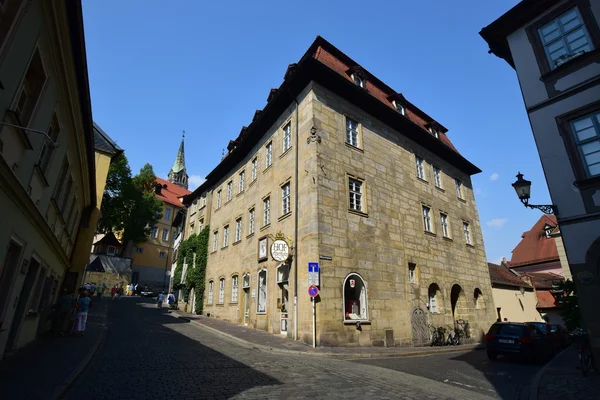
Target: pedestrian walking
x: 119, y: 292
x: 160, y: 299
x: 64, y: 310
x: 113, y: 292
x: 100, y: 291
x: 92, y: 289
x: 83, y: 305
x: 171, y: 299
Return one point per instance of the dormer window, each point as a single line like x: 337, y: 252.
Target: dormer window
x: 358, y: 80
x: 434, y: 131
x: 399, y: 107
x: 548, y: 230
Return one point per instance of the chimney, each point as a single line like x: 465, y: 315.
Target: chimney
x: 158, y: 188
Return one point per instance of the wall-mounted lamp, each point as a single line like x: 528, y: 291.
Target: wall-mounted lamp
x: 523, y: 189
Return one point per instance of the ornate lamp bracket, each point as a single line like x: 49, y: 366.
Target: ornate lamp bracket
x: 545, y: 208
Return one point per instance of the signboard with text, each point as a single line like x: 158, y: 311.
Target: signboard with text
x: 313, y: 274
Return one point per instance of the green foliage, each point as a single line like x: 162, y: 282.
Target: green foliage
x: 129, y: 204
x: 195, y: 277
x: 568, y: 302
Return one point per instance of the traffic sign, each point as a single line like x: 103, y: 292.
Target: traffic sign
x: 313, y: 274
x: 313, y: 291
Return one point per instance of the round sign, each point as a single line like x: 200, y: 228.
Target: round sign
x: 280, y: 250
x: 313, y: 291
x: 585, y: 277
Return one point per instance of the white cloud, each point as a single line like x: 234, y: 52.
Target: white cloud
x: 194, y: 181
x: 494, y: 176
x: 497, y: 222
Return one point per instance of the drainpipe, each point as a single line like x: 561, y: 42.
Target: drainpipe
x: 296, y: 197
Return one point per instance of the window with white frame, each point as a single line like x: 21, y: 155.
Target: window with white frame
x: 355, y: 188
x: 221, y: 290
x: 445, y: 225
x: 427, y: 225
x: 246, y: 281
x: 459, y: 191
x: 203, y: 201
x: 229, y: 190
x: 242, y: 182
x: 478, y: 299
x: 219, y: 198
x: 266, y: 211
x: 251, y: 217
x: 437, y: 177
x: 191, y: 229
x: 238, y: 229
x: 420, y: 168
x: 201, y: 227
x: 268, y: 154
x: 433, y: 297
x: 399, y: 107
x: 154, y: 232
x: 215, y: 240
x: 351, y: 132
x: 31, y: 88
x: 564, y: 38
x: 261, y: 303
x: 467, y: 232
x: 234, y: 289
x: 226, y: 236
x: 586, y: 132
x: 254, y: 168
x: 412, y: 273
x: 162, y: 254
x: 434, y: 131
x: 165, y: 235
x: 211, y: 287
x: 287, y: 136
x: 48, y: 146
x: 355, y: 298
x: 358, y: 80
x: 168, y: 213
x: 285, y: 199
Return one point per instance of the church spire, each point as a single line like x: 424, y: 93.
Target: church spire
x: 178, y: 174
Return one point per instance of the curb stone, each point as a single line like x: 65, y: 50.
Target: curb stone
x: 66, y: 383
x: 535, y: 383
x: 251, y: 345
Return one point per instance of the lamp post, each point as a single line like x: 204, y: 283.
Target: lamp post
x: 523, y: 189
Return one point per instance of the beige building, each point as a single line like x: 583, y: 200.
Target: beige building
x: 52, y: 171
x: 514, y: 298
x: 357, y: 179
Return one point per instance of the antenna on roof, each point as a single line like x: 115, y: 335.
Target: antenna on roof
x: 183, y: 135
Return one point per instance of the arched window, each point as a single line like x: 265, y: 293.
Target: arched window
x: 221, y: 290
x: 261, y: 303
x: 355, y: 298
x: 234, y: 289
x: 478, y: 298
x: 433, y: 297
x: 246, y: 281
x: 211, y: 285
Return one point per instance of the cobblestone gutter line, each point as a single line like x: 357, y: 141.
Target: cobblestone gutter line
x: 248, y: 344
x: 535, y: 384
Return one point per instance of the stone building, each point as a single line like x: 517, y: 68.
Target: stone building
x: 53, y: 164
x: 355, y: 177
x: 152, y: 259
x: 554, y: 48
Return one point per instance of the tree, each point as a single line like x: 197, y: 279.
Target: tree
x: 129, y: 205
x: 567, y: 300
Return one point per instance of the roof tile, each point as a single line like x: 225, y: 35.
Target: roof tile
x: 535, y: 247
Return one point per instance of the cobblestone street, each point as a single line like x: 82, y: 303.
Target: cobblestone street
x: 148, y: 353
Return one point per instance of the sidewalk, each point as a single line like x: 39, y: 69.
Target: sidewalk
x: 46, y: 367
x: 562, y: 379
x: 266, y: 341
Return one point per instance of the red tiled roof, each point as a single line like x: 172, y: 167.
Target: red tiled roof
x: 545, y: 299
x: 171, y: 193
x: 379, y: 90
x: 543, y: 280
x: 501, y: 275
x: 535, y: 247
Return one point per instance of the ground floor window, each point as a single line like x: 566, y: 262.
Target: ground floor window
x: 355, y: 298
x: 210, y: 291
x: 261, y: 304
x: 433, y: 297
x: 478, y: 298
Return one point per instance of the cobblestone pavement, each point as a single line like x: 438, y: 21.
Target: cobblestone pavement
x: 149, y: 354
x: 471, y: 370
x: 563, y: 380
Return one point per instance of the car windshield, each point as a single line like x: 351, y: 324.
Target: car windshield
x: 510, y: 330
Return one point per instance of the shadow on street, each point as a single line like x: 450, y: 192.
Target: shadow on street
x: 143, y: 358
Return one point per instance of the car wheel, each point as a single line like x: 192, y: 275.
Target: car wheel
x: 491, y: 355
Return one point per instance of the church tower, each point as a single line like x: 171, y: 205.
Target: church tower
x: 178, y: 174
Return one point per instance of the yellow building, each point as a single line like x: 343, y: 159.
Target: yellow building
x: 152, y: 259
x: 514, y: 298
x: 51, y: 180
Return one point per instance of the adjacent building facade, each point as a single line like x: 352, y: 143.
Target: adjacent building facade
x: 554, y: 46
x: 50, y: 186
x: 152, y: 259
x: 356, y: 178
x: 514, y: 298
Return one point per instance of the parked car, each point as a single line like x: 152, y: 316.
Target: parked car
x: 148, y: 291
x: 560, y: 335
x: 523, y: 340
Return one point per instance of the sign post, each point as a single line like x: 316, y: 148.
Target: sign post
x: 313, y: 292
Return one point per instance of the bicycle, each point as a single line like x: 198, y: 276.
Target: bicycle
x: 453, y: 337
x: 438, y: 336
x: 580, y: 339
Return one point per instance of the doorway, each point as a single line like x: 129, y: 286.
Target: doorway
x: 283, y: 276
x: 30, y: 278
x: 8, y: 271
x: 246, y: 288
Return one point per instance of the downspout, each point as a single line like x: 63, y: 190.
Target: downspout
x: 296, y: 197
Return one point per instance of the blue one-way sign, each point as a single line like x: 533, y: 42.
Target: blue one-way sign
x: 313, y: 274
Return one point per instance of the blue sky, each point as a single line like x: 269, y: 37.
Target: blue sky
x: 158, y: 68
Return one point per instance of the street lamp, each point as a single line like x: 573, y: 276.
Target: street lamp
x: 523, y: 189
